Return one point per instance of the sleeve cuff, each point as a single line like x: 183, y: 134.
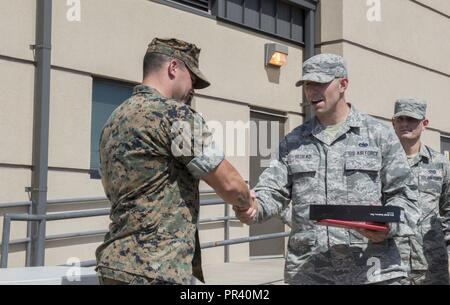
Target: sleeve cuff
x: 259, y: 212
x: 205, y: 163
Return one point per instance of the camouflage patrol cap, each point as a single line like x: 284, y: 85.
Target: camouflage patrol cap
x: 187, y: 52
x: 323, y: 68
x: 411, y: 108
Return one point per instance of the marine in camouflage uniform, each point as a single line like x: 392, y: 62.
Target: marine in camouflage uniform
x: 431, y: 176
x: 363, y: 163
x: 153, y: 150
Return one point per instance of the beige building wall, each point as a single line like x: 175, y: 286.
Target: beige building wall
x: 432, y: 138
x: 233, y: 138
x: 100, y: 46
x: 406, y: 30
x: 442, y: 6
x: 405, y: 54
x: 70, y: 120
x: 16, y: 128
x: 293, y: 121
x: 17, y: 28
x: 224, y: 49
x: 16, y: 121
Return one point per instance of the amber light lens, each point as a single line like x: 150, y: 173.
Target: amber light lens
x: 278, y: 59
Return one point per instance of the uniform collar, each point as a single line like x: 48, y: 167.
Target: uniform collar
x: 144, y: 89
x: 424, y: 151
x: 353, y: 120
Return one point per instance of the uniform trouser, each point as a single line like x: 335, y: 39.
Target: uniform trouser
x: 397, y: 281
x: 425, y: 277
x: 418, y: 277
x: 316, y: 281
x: 137, y: 280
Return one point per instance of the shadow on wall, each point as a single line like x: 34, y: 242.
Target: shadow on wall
x: 273, y: 74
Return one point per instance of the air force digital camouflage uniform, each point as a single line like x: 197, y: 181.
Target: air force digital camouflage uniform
x: 431, y: 176
x: 364, y: 164
x: 150, y: 165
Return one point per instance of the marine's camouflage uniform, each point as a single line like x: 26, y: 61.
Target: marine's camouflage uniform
x: 150, y: 167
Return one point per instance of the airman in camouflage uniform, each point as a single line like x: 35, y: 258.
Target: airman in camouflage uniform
x: 153, y: 150
x: 431, y: 176
x: 286, y: 215
x: 354, y: 160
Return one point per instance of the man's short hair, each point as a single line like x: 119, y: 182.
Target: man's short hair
x: 154, y: 61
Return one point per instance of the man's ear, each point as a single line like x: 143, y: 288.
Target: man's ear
x: 343, y: 84
x: 172, y: 68
x: 425, y: 123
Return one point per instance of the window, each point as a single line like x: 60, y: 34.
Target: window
x: 280, y: 18
x: 202, y: 5
x: 106, y: 96
x: 445, y: 146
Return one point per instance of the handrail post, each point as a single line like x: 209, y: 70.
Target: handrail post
x: 5, y: 241
x: 29, y: 233
x: 227, y: 233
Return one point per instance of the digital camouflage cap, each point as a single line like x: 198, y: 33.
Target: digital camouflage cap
x: 411, y: 108
x: 323, y: 68
x: 187, y: 52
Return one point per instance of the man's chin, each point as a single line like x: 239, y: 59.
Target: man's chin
x: 407, y: 138
x: 319, y: 110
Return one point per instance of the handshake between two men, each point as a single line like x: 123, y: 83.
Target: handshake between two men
x: 247, y: 214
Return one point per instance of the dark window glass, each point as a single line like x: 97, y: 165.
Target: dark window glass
x: 251, y: 13
x: 268, y: 16
x: 235, y: 10
x: 445, y: 146
x: 283, y: 19
x: 107, y: 95
x: 197, y: 4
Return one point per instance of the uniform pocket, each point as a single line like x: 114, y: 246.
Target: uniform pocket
x: 305, y: 234
x: 304, y: 179
x: 430, y: 181
x: 302, y: 242
x: 362, y: 172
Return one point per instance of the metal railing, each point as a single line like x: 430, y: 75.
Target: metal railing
x: 39, y: 218
x: 53, y: 202
x: 8, y: 218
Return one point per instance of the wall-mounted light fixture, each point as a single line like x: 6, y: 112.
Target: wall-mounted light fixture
x: 275, y: 54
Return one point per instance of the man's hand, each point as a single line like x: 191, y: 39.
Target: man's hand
x: 373, y: 236
x: 247, y: 215
x: 229, y: 185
